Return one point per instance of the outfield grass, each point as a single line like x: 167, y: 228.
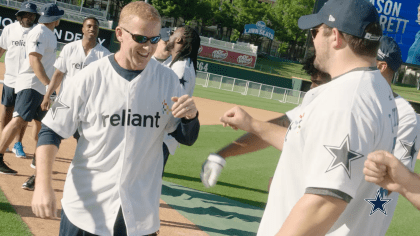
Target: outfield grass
x: 11, y: 223
x: 2, y: 57
x: 282, y: 68
x: 407, y: 91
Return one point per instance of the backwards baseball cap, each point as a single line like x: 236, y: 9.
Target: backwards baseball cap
x: 390, y: 52
x: 165, y: 33
x: 49, y: 13
x: 27, y: 7
x: 348, y: 16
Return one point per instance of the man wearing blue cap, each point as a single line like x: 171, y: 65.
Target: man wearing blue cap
x: 13, y: 40
x: 37, y: 68
x: 318, y: 187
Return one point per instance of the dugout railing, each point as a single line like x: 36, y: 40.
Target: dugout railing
x: 246, y: 87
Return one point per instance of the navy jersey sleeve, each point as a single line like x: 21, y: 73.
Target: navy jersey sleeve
x: 187, y: 131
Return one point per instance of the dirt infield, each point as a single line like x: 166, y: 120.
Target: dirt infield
x: 172, y: 223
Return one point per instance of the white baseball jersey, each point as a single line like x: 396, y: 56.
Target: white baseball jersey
x: 13, y: 39
x: 119, y: 157
x: 167, y: 62
x: 186, y: 74
x: 73, y: 58
x: 292, y: 114
x: 406, y: 148
x: 326, y: 146
x: 43, y: 41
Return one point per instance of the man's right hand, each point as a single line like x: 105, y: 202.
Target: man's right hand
x: 211, y: 170
x: 44, y: 202
x: 46, y: 103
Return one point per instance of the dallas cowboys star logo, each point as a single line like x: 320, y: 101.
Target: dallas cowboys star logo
x: 58, y: 105
x: 343, y: 156
x: 410, y: 150
x: 183, y: 81
x: 378, y: 203
x: 28, y: 5
x: 37, y: 43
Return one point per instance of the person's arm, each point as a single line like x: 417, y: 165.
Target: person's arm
x: 385, y: 170
x: 187, y: 131
x: 312, y: 215
x: 250, y: 142
x: 43, y: 200
x: 2, y: 51
x: 54, y: 83
x: 38, y: 68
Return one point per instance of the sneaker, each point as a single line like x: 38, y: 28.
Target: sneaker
x: 4, y: 169
x: 33, y: 164
x: 29, y: 183
x: 7, y: 150
x: 18, y: 150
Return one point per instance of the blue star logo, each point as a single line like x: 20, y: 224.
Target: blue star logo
x: 343, y: 156
x: 183, y: 81
x: 378, y: 203
x: 37, y: 43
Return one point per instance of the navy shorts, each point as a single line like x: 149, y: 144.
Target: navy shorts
x: 28, y: 105
x: 8, y: 96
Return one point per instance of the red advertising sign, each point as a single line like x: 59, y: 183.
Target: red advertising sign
x: 227, y: 56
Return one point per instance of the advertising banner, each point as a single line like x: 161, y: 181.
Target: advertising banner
x: 400, y: 20
x: 260, y: 28
x: 232, y: 57
x: 66, y: 32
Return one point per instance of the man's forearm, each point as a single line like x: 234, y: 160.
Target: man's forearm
x: 45, y: 157
x: 312, y: 215
x: 55, y: 82
x: 250, y: 142
x: 411, y: 190
x: 39, y: 69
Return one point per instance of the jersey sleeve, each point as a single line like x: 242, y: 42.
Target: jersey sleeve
x: 3, y: 38
x: 68, y: 110
x: 336, y: 149
x: 36, y: 43
x: 408, y: 140
x: 61, y: 62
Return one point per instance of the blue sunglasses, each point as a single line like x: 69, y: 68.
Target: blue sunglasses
x: 143, y: 39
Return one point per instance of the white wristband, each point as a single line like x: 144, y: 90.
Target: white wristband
x: 217, y: 159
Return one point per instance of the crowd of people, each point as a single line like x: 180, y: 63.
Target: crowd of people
x: 348, y: 150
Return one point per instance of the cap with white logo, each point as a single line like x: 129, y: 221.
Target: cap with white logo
x: 390, y: 52
x: 348, y: 16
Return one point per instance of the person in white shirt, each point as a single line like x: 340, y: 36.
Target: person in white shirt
x: 320, y: 173
x: 73, y: 58
x: 12, y: 42
x: 37, y: 68
x: 121, y: 106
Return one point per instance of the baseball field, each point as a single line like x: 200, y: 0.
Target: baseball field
x: 233, y: 207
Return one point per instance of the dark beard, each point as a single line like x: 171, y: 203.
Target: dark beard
x: 169, y: 46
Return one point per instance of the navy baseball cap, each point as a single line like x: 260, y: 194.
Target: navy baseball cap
x: 165, y: 33
x: 49, y: 13
x: 348, y: 16
x: 390, y: 52
x: 27, y: 7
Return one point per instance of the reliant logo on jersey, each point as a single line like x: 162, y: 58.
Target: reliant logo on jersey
x: 244, y: 59
x: 219, y: 54
x: 79, y: 66
x: 20, y: 43
x: 128, y: 119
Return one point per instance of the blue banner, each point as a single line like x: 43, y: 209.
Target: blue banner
x: 260, y: 28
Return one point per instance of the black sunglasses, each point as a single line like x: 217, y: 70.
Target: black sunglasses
x: 143, y: 39
x: 314, y: 32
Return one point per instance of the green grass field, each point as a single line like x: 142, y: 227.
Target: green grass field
x: 11, y: 223
x: 2, y: 57
x: 406, y: 91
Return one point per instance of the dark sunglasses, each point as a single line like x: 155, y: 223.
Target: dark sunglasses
x: 143, y: 39
x: 314, y: 32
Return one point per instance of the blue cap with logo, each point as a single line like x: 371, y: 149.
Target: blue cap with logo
x: 49, y: 13
x: 165, y: 33
x: 27, y: 7
x: 348, y: 16
x: 390, y: 52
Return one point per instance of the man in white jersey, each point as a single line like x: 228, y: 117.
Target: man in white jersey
x: 408, y: 141
x: 12, y: 41
x: 37, y: 68
x: 74, y: 57
x: 183, y: 45
x: 121, y: 106
x: 251, y: 143
x: 318, y: 187
x: 162, y: 55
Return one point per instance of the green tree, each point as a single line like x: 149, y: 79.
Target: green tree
x: 185, y: 9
